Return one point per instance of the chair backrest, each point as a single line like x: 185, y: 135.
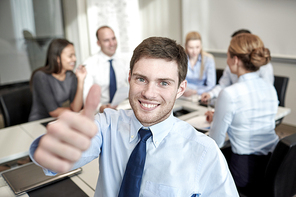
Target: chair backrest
x: 219, y: 73
x: 281, y: 84
x: 280, y: 176
x: 16, y: 106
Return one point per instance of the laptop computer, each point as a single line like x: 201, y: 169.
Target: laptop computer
x: 30, y: 176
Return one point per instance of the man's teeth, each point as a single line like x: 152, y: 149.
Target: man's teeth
x: 148, y: 105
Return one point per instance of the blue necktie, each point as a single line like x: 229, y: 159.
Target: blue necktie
x: 132, y: 178
x: 112, y: 84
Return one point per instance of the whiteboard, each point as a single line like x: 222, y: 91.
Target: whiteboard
x: 274, y: 21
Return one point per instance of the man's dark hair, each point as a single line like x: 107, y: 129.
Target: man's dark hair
x: 162, y: 48
x: 240, y: 31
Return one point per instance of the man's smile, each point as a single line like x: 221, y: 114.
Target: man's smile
x: 148, y: 105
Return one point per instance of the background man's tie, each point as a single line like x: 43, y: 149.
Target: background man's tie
x: 112, y: 84
x: 132, y: 178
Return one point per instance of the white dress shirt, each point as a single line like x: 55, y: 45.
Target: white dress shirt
x: 179, y: 160
x: 227, y: 79
x: 98, y: 72
x: 246, y: 111
x: 208, y: 80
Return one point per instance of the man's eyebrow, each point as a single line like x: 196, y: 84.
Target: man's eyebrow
x: 159, y: 79
x: 166, y: 79
x: 138, y: 75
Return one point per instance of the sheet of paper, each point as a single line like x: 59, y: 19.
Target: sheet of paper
x: 199, y: 122
x: 120, y: 95
x: 194, y: 98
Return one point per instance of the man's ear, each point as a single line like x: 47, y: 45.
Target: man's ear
x: 58, y: 60
x: 98, y: 43
x: 129, y: 76
x: 181, y: 89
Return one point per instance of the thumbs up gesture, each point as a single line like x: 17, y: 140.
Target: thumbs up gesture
x: 69, y: 136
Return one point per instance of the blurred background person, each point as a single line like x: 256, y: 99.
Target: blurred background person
x: 201, y: 74
x: 106, y: 68
x: 246, y: 111
x: 228, y: 78
x: 55, y: 84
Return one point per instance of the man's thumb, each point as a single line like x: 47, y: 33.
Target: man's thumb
x: 92, y: 101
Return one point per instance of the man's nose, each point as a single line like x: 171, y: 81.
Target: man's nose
x: 150, y: 91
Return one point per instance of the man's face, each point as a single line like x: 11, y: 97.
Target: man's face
x: 154, y: 89
x: 107, y: 41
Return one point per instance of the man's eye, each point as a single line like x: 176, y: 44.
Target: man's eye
x: 163, y: 83
x: 141, y: 79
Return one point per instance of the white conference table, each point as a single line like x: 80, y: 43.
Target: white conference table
x: 15, y: 142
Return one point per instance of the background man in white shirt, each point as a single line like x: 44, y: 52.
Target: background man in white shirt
x: 98, y: 67
x: 227, y: 79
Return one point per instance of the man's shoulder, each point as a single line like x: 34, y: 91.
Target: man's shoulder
x: 91, y: 59
x: 108, y: 114
x: 188, y: 132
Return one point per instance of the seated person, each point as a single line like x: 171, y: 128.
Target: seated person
x: 175, y: 161
x: 100, y: 65
x: 265, y: 72
x: 55, y: 83
x: 201, y: 74
x: 246, y: 111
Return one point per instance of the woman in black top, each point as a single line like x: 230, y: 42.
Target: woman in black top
x: 55, y: 84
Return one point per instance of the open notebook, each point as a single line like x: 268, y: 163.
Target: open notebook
x: 30, y: 176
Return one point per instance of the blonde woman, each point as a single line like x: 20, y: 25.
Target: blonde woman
x: 201, y: 73
x: 246, y: 111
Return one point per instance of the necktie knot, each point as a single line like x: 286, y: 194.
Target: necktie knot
x: 144, y: 134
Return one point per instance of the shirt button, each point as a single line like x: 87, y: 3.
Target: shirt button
x: 132, y: 136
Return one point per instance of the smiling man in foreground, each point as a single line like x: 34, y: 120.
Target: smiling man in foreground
x: 173, y: 158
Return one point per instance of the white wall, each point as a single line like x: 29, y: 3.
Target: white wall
x: 161, y: 18
x: 216, y: 20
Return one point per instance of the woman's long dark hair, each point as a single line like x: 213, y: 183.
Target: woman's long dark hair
x: 53, y: 53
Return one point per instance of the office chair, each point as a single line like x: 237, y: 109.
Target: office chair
x: 16, y: 105
x: 219, y: 73
x: 280, y: 175
x: 281, y: 84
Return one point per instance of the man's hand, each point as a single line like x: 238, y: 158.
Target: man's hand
x: 69, y: 136
x: 209, y: 115
x: 205, y: 97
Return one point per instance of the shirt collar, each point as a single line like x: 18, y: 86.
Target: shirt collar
x: 105, y: 57
x: 159, y: 130
x: 248, y: 76
x: 198, y: 59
